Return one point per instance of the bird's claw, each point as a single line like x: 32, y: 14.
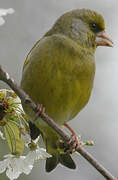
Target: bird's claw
x: 40, y: 110
x: 74, y: 141
x: 71, y: 145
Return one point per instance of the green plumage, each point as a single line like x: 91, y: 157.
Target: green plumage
x: 59, y: 73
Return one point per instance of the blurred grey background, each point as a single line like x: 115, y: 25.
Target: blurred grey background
x: 98, y: 121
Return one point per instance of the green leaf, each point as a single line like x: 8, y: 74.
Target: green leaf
x: 2, y: 93
x: 12, y: 133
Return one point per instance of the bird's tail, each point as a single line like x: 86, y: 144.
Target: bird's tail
x: 58, y: 155
x: 51, y: 140
x: 65, y: 159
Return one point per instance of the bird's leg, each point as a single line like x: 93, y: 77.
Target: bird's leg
x: 40, y: 110
x: 74, y: 136
x: 73, y: 141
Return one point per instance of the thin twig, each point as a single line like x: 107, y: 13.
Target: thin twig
x: 4, y: 76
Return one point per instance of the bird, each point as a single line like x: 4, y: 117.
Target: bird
x: 59, y: 74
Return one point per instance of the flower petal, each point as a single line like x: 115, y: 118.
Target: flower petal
x: 12, y: 174
x: 2, y: 21
x: 38, y: 154
x: 4, y: 12
x: 2, y: 136
x: 3, y: 165
x: 26, y: 166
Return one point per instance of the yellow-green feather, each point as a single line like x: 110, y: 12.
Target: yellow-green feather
x: 59, y: 76
x: 59, y: 73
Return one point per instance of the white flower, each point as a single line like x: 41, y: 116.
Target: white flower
x: 26, y: 138
x: 2, y: 136
x: 4, y: 12
x: 38, y: 154
x: 15, y: 166
x: 17, y: 100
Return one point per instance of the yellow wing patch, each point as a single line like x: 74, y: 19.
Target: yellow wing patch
x: 26, y: 62
x: 27, y: 59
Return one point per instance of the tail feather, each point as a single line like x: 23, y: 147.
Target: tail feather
x: 51, y: 163
x: 51, y: 147
x: 65, y: 159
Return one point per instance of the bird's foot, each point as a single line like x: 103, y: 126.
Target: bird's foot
x: 72, y: 144
x: 40, y: 110
x: 74, y: 141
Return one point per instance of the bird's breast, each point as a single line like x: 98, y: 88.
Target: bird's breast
x: 59, y: 78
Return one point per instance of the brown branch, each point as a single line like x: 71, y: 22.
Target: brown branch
x: 4, y: 76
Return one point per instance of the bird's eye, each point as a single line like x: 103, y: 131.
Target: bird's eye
x: 95, y: 27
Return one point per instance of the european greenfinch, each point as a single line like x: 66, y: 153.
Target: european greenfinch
x: 59, y: 73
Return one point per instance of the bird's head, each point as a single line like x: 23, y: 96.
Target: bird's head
x: 84, y: 26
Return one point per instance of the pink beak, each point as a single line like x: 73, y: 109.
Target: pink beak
x: 102, y: 39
